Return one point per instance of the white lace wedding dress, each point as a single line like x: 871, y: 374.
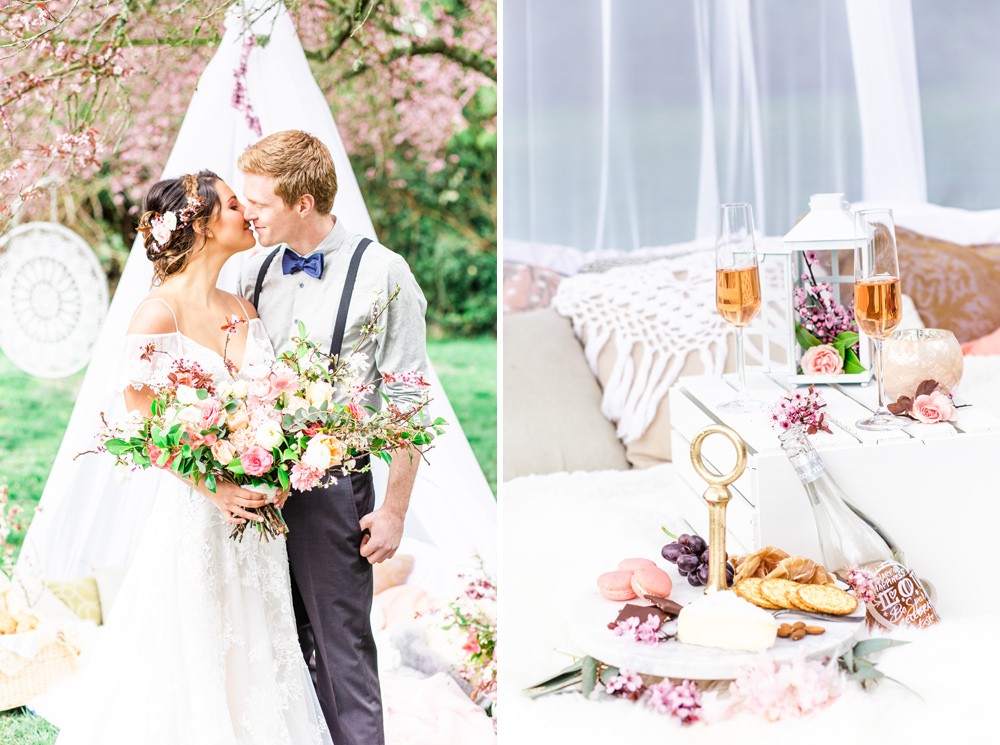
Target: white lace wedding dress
x: 201, y: 646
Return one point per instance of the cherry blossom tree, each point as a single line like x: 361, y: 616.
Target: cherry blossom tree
x: 94, y: 92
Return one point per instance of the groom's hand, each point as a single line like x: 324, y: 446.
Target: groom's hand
x: 385, y: 531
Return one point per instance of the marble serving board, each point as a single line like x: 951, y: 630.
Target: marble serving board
x: 590, y: 614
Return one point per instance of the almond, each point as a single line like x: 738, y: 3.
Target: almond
x: 814, y: 629
x: 798, y: 634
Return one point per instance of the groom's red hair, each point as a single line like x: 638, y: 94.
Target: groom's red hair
x: 299, y: 164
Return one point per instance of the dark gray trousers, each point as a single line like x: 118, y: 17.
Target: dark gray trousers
x: 332, y: 594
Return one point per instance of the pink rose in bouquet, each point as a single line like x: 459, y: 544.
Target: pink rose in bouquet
x: 256, y: 461
x: 823, y: 359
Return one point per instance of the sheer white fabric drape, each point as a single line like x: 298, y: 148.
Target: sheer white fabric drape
x: 626, y: 123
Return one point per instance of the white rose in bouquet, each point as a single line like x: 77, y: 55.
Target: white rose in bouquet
x: 240, y: 389
x: 317, y: 454
x: 269, y: 435
x: 319, y: 392
x: 294, y: 404
x: 187, y: 395
x: 190, y: 414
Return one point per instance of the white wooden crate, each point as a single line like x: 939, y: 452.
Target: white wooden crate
x: 933, y: 488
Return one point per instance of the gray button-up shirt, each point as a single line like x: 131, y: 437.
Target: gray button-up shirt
x: 287, y: 299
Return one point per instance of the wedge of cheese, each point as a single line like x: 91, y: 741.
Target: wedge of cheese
x: 727, y: 621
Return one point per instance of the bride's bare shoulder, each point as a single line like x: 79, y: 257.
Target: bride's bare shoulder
x: 154, y: 315
x: 245, y: 305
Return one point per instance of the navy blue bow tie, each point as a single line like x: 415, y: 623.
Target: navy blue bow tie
x: 312, y: 264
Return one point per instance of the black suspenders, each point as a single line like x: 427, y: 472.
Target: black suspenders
x: 345, y: 299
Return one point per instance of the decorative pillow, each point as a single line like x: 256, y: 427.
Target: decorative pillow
x: 403, y: 603
x: 955, y: 287
x: 527, y: 287
x: 80, y: 596
x: 552, y: 403
x: 392, y: 572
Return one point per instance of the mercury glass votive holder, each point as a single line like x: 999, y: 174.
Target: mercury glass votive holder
x: 912, y: 356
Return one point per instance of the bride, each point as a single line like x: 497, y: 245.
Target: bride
x: 201, y: 646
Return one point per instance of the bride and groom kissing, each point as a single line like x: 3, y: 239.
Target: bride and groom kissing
x: 221, y: 642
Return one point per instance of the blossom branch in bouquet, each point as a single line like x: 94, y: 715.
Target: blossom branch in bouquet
x: 826, y: 331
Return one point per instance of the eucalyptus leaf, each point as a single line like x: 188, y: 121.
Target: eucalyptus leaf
x: 873, y: 646
x: 588, y: 672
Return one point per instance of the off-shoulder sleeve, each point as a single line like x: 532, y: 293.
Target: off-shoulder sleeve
x: 146, y: 359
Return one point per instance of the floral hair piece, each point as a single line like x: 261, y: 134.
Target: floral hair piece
x: 162, y: 225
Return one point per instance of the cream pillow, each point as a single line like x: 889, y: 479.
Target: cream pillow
x: 552, y: 418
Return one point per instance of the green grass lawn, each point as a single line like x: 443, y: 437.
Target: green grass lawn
x: 34, y: 414
x: 468, y: 372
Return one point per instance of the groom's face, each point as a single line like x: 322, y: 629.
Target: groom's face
x: 273, y: 220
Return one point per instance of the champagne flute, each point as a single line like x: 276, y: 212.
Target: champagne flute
x: 878, y: 306
x: 737, y: 286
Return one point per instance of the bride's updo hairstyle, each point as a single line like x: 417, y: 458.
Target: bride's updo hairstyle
x: 172, y: 210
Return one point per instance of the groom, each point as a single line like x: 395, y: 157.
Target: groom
x: 322, y: 274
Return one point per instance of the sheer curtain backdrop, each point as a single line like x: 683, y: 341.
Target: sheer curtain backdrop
x: 627, y: 121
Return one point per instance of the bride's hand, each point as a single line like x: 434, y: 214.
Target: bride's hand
x: 233, y: 502
x: 281, y: 497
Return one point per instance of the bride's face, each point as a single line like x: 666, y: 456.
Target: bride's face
x: 229, y: 228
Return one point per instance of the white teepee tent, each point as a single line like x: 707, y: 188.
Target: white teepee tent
x: 87, y: 519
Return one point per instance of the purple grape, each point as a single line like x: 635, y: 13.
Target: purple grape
x: 697, y: 544
x: 684, y: 539
x: 704, y: 556
x: 703, y: 572
x: 671, y: 551
x: 687, y: 564
x: 694, y: 579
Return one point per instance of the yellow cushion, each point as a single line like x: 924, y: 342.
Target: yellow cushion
x: 80, y: 596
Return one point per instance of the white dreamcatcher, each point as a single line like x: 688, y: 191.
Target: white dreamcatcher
x: 53, y: 299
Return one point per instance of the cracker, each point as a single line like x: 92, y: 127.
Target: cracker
x: 827, y: 599
x: 783, y: 593
x: 749, y: 589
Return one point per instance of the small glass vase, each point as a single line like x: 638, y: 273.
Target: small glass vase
x: 911, y: 356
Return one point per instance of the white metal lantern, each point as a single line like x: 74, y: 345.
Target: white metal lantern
x: 826, y: 232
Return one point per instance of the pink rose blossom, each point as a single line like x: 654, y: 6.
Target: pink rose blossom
x: 356, y: 410
x: 823, y: 359
x: 934, y: 407
x: 284, y: 379
x: 305, y: 478
x: 257, y: 461
x: 212, y: 413
x: 263, y: 389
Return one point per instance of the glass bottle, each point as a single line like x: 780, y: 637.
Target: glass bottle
x: 845, y: 540
x: 849, y: 540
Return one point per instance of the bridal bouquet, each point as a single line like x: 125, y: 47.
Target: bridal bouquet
x: 277, y: 426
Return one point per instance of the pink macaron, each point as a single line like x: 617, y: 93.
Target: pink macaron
x: 651, y: 581
x: 632, y: 565
x: 616, y: 585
